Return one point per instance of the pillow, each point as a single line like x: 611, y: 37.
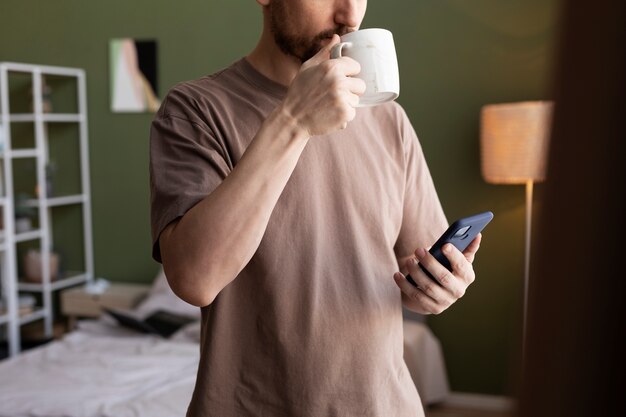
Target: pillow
x: 161, y: 297
x: 189, y: 333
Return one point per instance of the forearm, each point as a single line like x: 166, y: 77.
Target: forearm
x: 212, y: 242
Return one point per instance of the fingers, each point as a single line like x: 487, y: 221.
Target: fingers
x: 470, y: 251
x: 416, y: 295
x: 353, y: 101
x: 348, y: 92
x: 349, y: 66
x: 446, y: 287
x: 323, y: 54
x: 461, y: 265
x: 346, y: 65
x: 432, y: 296
x: 356, y: 85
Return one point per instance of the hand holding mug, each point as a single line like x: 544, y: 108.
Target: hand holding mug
x: 323, y: 96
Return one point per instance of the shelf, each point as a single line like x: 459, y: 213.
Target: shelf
x: 21, y: 117
x: 75, y: 278
x: 43, y: 69
x: 30, y: 235
x: 63, y: 118
x: 46, y: 117
x: 4, y: 317
x: 39, y: 136
x: 38, y: 314
x: 58, y: 201
x: 23, y: 153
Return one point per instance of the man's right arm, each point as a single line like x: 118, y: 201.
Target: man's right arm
x: 204, y: 250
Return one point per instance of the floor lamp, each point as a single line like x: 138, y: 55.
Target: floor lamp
x: 514, y: 147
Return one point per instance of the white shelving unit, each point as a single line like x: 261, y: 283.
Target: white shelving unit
x: 12, y: 285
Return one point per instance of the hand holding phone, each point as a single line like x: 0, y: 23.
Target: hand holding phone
x: 460, y: 234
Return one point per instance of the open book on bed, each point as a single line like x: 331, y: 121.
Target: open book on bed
x: 161, y: 322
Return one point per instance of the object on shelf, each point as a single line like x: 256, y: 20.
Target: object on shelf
x: 23, y: 225
x: 98, y: 286
x: 23, y: 214
x: 25, y: 304
x: 51, y: 169
x: 33, y: 266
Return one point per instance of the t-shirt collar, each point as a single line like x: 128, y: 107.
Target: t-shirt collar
x: 259, y: 80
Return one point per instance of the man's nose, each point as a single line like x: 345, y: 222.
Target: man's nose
x: 348, y: 13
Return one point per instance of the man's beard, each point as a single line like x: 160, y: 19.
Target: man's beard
x: 297, y: 46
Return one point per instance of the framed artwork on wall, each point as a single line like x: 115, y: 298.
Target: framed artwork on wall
x: 133, y: 75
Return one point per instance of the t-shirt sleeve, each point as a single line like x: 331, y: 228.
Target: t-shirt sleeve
x: 187, y: 162
x: 423, y: 219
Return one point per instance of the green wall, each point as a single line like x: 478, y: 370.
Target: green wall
x: 454, y: 55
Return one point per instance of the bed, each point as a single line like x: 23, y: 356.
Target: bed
x: 102, y: 369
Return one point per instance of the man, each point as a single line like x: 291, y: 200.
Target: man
x: 283, y: 211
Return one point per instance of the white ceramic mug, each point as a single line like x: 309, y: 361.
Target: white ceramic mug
x: 375, y: 51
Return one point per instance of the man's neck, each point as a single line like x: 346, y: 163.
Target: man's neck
x: 269, y: 60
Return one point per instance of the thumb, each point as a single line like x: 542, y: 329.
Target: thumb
x: 324, y: 53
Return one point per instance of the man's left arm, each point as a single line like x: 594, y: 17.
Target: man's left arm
x: 423, y: 221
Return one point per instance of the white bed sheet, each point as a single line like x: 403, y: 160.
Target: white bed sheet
x: 100, y: 372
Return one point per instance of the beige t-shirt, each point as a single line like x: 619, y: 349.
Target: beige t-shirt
x: 312, y: 326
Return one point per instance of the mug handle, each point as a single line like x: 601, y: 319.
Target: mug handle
x: 337, y: 49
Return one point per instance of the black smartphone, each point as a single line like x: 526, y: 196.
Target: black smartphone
x: 460, y: 234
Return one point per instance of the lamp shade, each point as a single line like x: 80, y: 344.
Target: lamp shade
x: 514, y: 141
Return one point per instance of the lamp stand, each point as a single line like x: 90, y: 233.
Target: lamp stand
x: 529, y: 212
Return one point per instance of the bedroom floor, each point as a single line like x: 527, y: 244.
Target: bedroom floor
x: 449, y: 411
